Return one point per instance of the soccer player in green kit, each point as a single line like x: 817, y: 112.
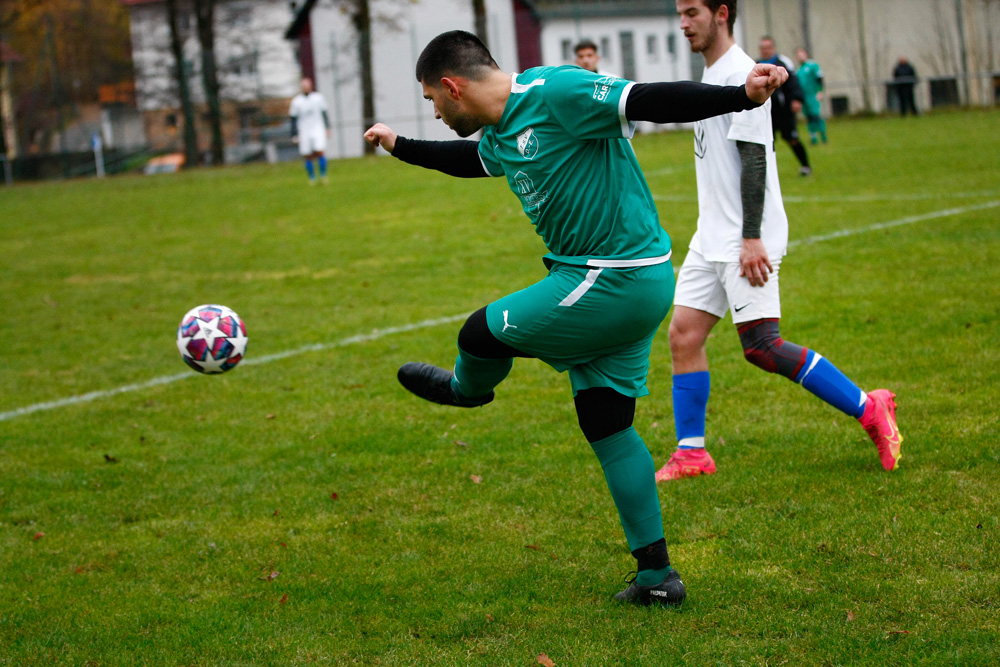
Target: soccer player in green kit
x: 811, y: 79
x: 560, y: 136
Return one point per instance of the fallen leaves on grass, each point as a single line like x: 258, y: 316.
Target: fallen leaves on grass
x: 461, y: 444
x: 334, y: 496
x: 284, y: 599
x: 39, y: 536
x: 850, y: 615
x: 110, y: 459
x: 545, y: 660
x: 476, y: 479
x: 270, y: 576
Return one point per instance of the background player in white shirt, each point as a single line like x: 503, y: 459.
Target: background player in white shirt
x: 310, y: 128
x: 733, y: 262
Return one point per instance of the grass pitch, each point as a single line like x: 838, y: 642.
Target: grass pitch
x: 304, y: 509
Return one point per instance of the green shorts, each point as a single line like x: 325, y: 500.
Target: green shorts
x: 596, y: 323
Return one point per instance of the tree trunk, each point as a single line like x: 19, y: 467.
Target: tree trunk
x: 479, y: 11
x: 863, y: 46
x: 363, y: 24
x: 205, y: 14
x: 184, y: 90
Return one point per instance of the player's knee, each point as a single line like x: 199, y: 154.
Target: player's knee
x: 760, y: 340
x: 602, y: 412
x: 761, y: 358
x: 684, y: 340
x: 764, y: 348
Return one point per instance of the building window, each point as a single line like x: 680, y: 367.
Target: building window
x: 652, y: 48
x: 627, y: 42
x: 672, y: 44
x: 605, y: 49
x: 567, y: 51
x: 171, y: 120
x: 244, y: 65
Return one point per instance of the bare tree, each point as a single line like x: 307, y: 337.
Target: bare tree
x: 205, y: 16
x: 863, y: 56
x: 184, y: 90
x: 479, y: 12
x: 361, y: 18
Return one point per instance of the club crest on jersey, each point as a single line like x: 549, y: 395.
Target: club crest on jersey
x: 602, y: 88
x: 527, y: 143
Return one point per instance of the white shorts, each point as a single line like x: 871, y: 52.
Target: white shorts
x: 715, y: 287
x: 312, y: 142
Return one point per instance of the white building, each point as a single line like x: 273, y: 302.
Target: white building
x: 328, y: 48
x: 257, y: 68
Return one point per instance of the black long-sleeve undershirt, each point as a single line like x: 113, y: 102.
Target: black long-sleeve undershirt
x: 674, y: 102
x: 456, y: 158
x: 684, y: 101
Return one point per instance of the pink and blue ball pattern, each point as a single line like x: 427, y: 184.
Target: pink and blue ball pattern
x: 212, y: 339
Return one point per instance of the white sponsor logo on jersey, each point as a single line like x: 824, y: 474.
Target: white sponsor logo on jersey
x: 602, y: 88
x: 525, y: 189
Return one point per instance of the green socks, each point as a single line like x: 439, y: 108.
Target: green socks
x: 475, y: 377
x: 629, y: 470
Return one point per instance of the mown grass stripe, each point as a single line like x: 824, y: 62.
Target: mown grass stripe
x: 381, y: 333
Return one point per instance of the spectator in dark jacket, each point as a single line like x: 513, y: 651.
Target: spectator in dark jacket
x: 904, y: 77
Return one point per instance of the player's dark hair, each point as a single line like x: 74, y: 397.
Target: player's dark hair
x: 585, y: 44
x: 459, y: 53
x: 714, y: 5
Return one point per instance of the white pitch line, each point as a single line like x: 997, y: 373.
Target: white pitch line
x: 854, y: 199
x: 381, y: 333
x: 167, y: 379
x: 909, y: 220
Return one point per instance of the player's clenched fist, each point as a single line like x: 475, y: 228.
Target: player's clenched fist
x: 381, y: 135
x: 763, y: 80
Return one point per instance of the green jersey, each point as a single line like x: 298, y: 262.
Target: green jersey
x: 563, y: 144
x: 811, y: 79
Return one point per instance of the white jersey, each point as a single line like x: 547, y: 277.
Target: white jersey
x: 308, y: 111
x: 717, y: 163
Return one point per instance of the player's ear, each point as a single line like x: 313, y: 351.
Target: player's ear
x: 451, y: 86
x: 723, y: 14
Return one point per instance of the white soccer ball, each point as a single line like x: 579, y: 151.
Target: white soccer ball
x: 212, y: 339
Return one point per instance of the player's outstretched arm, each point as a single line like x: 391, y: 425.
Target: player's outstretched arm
x: 381, y: 135
x: 763, y: 80
x: 456, y: 158
x: 685, y: 101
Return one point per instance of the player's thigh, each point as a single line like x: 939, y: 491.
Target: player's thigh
x: 577, y: 314
x: 306, y: 144
x: 786, y: 126
x: 700, y: 286
x: 319, y: 141
x: 748, y: 303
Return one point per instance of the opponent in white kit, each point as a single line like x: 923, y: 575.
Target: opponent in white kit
x: 733, y: 262
x: 310, y: 128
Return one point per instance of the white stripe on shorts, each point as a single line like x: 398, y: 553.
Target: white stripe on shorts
x: 582, y: 288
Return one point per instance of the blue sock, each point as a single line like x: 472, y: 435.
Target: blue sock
x: 310, y: 170
x: 825, y: 381
x: 690, y: 402
x: 322, y: 165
